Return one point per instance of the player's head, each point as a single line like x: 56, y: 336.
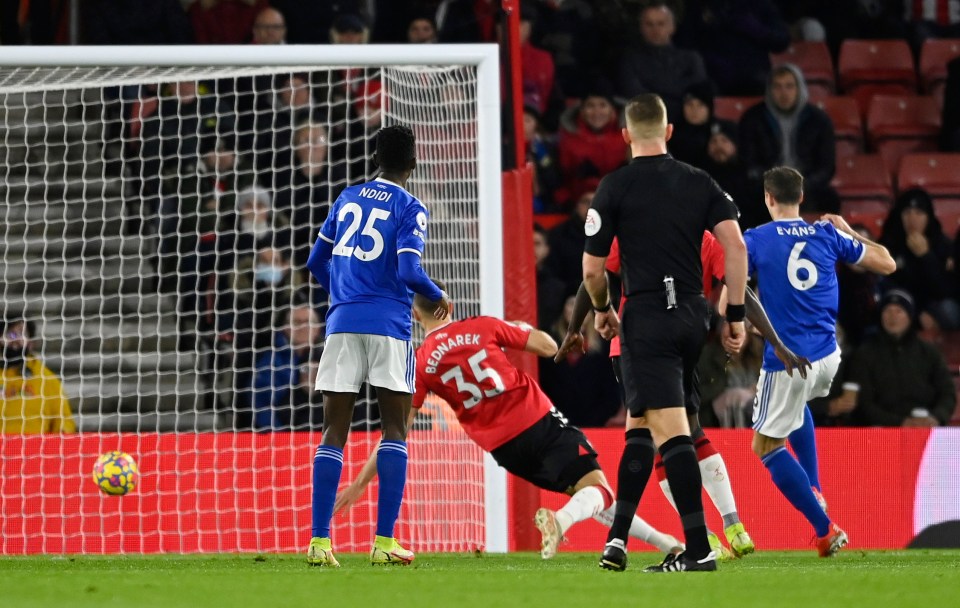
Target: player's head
x: 301, y: 326
x: 15, y: 338
x: 396, y: 149
x: 782, y: 186
x: 646, y: 120
x: 423, y: 308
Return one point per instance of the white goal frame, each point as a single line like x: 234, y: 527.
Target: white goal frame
x: 490, y: 222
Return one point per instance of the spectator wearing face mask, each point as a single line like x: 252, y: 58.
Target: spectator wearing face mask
x: 31, y: 397
x: 262, y: 285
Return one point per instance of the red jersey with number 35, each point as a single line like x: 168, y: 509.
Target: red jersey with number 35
x: 711, y: 256
x: 463, y: 363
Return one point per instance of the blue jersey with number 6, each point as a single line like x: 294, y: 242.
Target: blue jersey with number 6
x: 795, y: 265
x: 369, y: 226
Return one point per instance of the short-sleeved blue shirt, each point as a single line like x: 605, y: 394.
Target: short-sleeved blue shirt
x: 795, y: 264
x: 369, y: 226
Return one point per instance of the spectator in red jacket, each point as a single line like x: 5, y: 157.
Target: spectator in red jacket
x: 224, y: 21
x: 590, y: 143
x: 536, y: 65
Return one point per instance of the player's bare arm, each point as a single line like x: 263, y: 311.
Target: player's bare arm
x: 574, y: 336
x: 876, y: 259
x: 595, y: 280
x: 352, y: 493
x: 541, y: 343
x: 758, y: 318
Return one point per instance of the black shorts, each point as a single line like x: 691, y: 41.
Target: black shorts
x: 659, y: 351
x: 551, y: 454
x: 692, y: 398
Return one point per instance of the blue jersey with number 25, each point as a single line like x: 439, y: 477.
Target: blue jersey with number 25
x: 795, y: 265
x: 369, y: 226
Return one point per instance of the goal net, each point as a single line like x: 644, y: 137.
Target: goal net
x: 158, y: 206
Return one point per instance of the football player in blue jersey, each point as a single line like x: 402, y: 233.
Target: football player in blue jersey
x: 795, y: 265
x: 367, y: 258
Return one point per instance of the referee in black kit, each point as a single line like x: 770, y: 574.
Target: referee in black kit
x: 658, y: 208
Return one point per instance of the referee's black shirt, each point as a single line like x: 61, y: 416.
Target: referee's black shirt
x: 658, y: 208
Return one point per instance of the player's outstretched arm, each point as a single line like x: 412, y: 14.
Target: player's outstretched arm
x: 413, y: 276
x: 759, y: 319
x: 354, y: 491
x: 876, y: 259
x: 574, y: 336
x: 540, y: 343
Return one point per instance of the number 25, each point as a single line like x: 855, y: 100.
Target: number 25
x: 369, y: 230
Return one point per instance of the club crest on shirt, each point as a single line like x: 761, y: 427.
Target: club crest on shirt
x: 591, y: 225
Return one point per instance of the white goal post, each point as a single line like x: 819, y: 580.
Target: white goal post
x: 123, y: 244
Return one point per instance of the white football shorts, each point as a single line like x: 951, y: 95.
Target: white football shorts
x: 781, y: 398
x: 349, y: 360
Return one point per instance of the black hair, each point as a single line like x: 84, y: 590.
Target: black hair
x: 396, y: 148
x: 784, y: 184
x: 423, y: 303
x: 893, y: 235
x: 12, y: 317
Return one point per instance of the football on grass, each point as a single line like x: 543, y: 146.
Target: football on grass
x: 116, y: 473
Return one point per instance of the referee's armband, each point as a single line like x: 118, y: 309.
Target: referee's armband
x: 736, y: 313
x: 605, y: 308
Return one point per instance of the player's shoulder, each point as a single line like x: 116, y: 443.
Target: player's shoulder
x: 761, y: 230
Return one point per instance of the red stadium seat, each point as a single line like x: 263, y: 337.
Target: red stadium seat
x: 813, y: 59
x: 732, y: 108
x: 865, y: 62
x: 863, y: 177
x: 938, y: 174
x: 847, y: 124
x: 870, y: 213
x: 934, y: 57
x: 899, y: 125
x: 549, y: 220
x: 948, y: 212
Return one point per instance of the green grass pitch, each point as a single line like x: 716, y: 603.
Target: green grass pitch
x: 875, y: 579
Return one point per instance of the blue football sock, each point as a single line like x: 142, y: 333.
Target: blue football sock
x: 794, y: 484
x: 392, y: 472
x: 327, y: 466
x: 804, y: 444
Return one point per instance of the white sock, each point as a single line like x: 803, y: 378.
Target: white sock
x: 665, y: 486
x: 716, y: 482
x: 641, y: 530
x: 586, y: 503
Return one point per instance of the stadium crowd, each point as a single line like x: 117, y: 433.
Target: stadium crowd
x: 239, y: 174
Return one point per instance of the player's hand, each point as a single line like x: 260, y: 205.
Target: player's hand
x: 607, y: 324
x: 791, y: 361
x: 733, y: 337
x: 443, y: 307
x: 573, y: 340
x: 918, y: 244
x: 838, y: 222
x: 347, y: 497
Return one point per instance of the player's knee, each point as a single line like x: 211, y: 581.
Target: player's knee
x: 763, y: 445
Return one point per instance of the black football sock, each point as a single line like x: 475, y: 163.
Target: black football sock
x: 683, y: 474
x: 636, y: 463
